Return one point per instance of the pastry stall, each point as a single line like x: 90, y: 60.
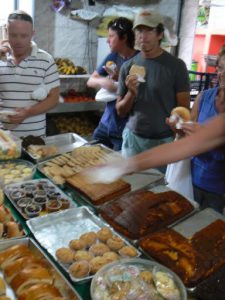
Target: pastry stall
x: 99, y: 241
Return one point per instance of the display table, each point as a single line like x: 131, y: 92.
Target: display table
x: 82, y: 288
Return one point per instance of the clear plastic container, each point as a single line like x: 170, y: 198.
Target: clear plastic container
x: 137, y: 279
x: 10, y: 145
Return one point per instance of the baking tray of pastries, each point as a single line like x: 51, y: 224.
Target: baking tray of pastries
x: 28, y: 274
x: 141, y: 212
x: 52, y: 146
x: 61, y: 167
x: 193, y: 248
x: 37, y: 197
x: 80, y: 242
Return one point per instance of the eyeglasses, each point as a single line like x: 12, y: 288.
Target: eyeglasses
x: 20, y: 16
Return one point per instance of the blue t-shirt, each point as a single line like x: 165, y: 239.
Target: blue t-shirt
x: 208, y: 169
x: 110, y: 119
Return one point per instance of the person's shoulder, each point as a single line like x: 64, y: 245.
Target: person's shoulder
x: 44, y: 55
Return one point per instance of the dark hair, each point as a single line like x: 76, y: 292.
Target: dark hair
x: 123, y: 27
x: 220, y: 54
x: 20, y: 15
x: 160, y: 29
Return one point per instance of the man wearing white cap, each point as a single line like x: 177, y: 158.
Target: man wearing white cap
x: 150, y: 101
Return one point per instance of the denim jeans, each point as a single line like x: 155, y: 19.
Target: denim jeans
x: 102, y: 134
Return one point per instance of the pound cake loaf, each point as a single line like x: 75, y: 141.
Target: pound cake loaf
x: 142, y: 212
x: 193, y: 259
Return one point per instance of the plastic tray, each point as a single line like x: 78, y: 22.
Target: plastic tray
x: 131, y: 269
x: 16, y: 170
x: 28, y: 189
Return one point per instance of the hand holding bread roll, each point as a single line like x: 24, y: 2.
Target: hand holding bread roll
x: 138, y: 71
x: 182, y: 112
x: 179, y: 115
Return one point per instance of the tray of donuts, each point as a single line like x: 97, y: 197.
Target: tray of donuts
x: 80, y: 242
x: 9, y: 227
x: 26, y: 273
x: 37, y: 197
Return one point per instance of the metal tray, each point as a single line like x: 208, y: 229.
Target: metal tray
x: 65, y: 287
x: 191, y: 225
x: 52, y: 189
x: 64, y: 142
x: 42, y: 164
x: 64, y: 226
x: 197, y: 222
x: 139, y: 180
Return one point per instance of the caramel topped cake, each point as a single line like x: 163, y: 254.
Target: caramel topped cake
x: 142, y: 212
x: 192, y: 259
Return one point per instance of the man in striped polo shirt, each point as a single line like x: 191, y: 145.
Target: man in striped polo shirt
x: 29, y: 80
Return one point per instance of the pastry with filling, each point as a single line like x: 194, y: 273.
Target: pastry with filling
x: 89, y: 238
x: 104, y: 234
x: 83, y: 255
x: 97, y: 263
x: 111, y: 256
x: 115, y: 243
x: 128, y: 251
x: 99, y: 249
x: 65, y: 255
x: 79, y: 269
x: 77, y: 244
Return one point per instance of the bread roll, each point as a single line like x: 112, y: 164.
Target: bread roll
x: 137, y: 70
x: 4, y: 298
x: 30, y: 276
x: 40, y: 291
x: 4, y: 214
x: 13, y: 229
x: 16, y: 266
x: 182, y: 112
x: 12, y: 253
x: 2, y: 286
x: 1, y: 230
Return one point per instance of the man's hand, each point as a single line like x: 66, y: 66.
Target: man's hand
x: 132, y: 84
x: 19, y: 117
x: 4, y: 48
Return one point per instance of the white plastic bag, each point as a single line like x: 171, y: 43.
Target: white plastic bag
x: 178, y: 177
x: 104, y: 95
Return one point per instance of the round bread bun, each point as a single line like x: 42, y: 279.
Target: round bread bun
x: 109, y: 63
x: 65, y: 255
x: 182, y: 112
x: 79, y: 269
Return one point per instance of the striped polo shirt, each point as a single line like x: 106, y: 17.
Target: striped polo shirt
x: 18, y: 82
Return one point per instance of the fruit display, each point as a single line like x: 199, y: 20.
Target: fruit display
x: 72, y: 96
x: 67, y: 67
x: 80, y: 123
